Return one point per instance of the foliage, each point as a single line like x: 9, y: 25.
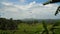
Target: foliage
x: 10, y: 26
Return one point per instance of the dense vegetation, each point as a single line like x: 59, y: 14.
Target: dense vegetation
x: 10, y: 26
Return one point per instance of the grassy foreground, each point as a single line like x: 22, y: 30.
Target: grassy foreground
x: 24, y: 28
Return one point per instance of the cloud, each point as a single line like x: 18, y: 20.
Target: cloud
x: 23, y: 7
x: 7, y: 4
x: 31, y: 10
x: 51, y: 5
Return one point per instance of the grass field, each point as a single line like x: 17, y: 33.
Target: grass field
x: 24, y: 28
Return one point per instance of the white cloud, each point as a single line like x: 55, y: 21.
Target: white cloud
x: 51, y: 5
x: 7, y: 4
x: 31, y: 10
x: 22, y: 7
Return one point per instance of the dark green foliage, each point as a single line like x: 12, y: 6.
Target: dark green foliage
x: 6, y: 24
x: 45, y: 28
x: 54, y: 27
x: 13, y: 25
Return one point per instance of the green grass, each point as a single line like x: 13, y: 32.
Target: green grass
x: 24, y: 28
x: 30, y: 29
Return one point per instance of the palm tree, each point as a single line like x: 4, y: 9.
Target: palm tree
x: 58, y: 9
x: 53, y: 1
x: 53, y: 28
x: 45, y: 28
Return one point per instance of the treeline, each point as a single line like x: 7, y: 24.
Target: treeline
x: 8, y: 24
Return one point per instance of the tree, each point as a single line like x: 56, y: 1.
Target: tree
x: 12, y: 25
x: 6, y: 24
x: 53, y: 1
x: 45, y: 28
x: 54, y: 27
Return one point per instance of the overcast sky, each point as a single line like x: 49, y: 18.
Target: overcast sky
x: 21, y: 9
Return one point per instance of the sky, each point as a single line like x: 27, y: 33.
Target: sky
x: 23, y: 9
